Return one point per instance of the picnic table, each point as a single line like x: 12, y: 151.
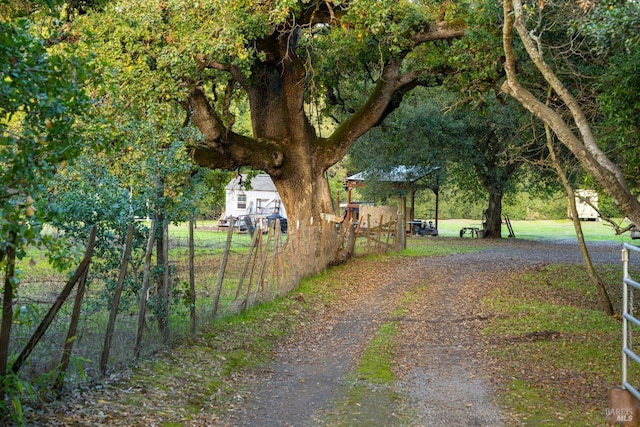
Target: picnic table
x: 474, y: 231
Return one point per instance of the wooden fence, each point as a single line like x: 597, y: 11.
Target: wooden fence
x: 217, y: 274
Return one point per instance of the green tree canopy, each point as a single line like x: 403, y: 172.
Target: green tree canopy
x: 565, y: 99
x: 285, y: 63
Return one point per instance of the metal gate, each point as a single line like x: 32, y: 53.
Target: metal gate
x: 628, y: 286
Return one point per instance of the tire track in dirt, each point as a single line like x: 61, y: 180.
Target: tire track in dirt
x: 440, y: 361
x: 309, y: 371
x: 441, y: 366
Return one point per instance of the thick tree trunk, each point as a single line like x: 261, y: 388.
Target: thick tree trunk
x: 306, y: 197
x: 493, y: 216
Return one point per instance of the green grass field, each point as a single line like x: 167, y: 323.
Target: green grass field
x: 542, y: 229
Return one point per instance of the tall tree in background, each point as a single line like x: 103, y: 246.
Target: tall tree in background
x: 416, y: 135
x: 497, y: 150
x: 480, y: 147
x: 220, y: 58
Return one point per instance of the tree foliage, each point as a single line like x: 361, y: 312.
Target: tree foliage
x: 610, y: 28
x: 481, y: 146
x: 286, y: 64
x: 43, y: 113
x: 42, y: 105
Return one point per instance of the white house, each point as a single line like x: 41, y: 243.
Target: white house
x: 259, y: 198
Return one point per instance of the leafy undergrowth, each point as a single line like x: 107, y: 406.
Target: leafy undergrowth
x: 554, y: 353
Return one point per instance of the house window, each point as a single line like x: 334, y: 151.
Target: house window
x: 242, y: 201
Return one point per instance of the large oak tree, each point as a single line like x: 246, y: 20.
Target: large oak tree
x: 220, y: 58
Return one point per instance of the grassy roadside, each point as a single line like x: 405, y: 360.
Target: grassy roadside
x: 554, y: 353
x: 367, y: 398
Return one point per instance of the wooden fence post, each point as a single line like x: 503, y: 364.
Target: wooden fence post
x: 277, y: 250
x: 73, y: 330
x: 145, y: 288
x: 223, y: 266
x: 116, y: 300
x: 402, y: 223
x: 379, y: 239
x: 163, y: 319
x: 250, y: 254
x: 265, y: 255
x: 192, y: 283
x: 51, y: 314
x: 259, y: 249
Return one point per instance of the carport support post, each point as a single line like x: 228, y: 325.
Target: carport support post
x: 623, y: 409
x: 436, y: 191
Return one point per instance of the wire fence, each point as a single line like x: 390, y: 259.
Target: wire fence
x: 211, y: 273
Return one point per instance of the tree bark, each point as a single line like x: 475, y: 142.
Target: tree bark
x: 603, y: 295
x: 7, y: 310
x: 493, y: 217
x: 583, y: 145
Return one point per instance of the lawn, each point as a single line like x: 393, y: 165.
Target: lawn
x: 542, y: 229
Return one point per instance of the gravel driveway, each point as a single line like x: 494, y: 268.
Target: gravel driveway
x: 439, y: 364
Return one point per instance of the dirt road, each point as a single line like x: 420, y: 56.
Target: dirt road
x: 439, y: 363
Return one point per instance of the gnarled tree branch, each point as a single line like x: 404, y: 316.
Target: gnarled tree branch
x: 583, y: 147
x: 226, y: 149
